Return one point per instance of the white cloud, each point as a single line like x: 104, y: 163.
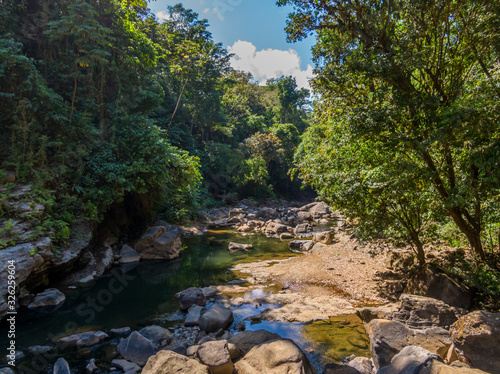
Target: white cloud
x: 162, y: 15
x: 269, y: 63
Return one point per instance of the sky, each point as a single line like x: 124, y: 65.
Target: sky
x: 253, y: 30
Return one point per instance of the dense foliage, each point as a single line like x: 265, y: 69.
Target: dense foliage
x: 103, y: 105
x: 406, y: 137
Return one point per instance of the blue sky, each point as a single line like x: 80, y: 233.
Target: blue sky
x: 254, y: 31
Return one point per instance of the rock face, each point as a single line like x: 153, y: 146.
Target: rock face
x: 61, y: 367
x: 441, y: 287
x: 421, y: 312
x: 129, y: 254
x: 215, y: 319
x: 50, y: 299
x: 301, y: 245
x: 191, y: 296
x: 387, y: 338
x: 325, y: 237
x: 215, y: 355
x: 246, y: 340
x: 85, y: 339
x: 275, y: 357
x: 158, y: 243
x: 168, y: 362
x: 136, y: 348
x: 233, y: 247
x: 158, y: 335
x: 409, y: 361
x: 476, y: 337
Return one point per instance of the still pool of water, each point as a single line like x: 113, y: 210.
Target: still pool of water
x: 132, y: 295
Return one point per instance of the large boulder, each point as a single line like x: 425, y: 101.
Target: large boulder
x: 158, y: 335
x: 409, y: 361
x: 158, y: 243
x: 302, y: 228
x: 280, y: 356
x: 129, y: 254
x: 320, y: 209
x: 387, y: 338
x: 215, y: 355
x: 216, y: 318
x: 169, y: 362
x: 301, y: 246
x: 476, y: 337
x: 50, y: 299
x: 325, y: 237
x: 442, y: 287
x: 191, y: 296
x: 421, y: 312
x: 85, y: 339
x: 246, y: 340
x: 136, y: 348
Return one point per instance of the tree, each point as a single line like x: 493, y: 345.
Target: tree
x: 406, y: 74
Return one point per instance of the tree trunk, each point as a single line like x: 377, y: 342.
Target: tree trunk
x: 419, y: 249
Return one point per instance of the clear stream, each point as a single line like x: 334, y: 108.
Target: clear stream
x: 134, y: 295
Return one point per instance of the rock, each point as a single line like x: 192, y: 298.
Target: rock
x: 246, y: 340
x: 319, y: 209
x: 387, y: 338
x: 441, y: 287
x: 236, y: 212
x: 267, y: 213
x: 191, y: 296
x: 274, y: 357
x: 304, y: 216
x: 325, y: 237
x: 61, y: 367
x: 136, y: 348
x: 156, y: 334
x: 91, y: 367
x: 422, y: 312
x: 300, y: 246
x: 194, y: 315
x: 126, y: 366
x: 362, y: 364
x: 366, y: 314
x: 233, y: 247
x: 409, y: 361
x: 129, y: 254
x: 302, y: 228
x: 158, y: 243
x: 39, y: 349
x: 169, y: 362
x: 218, y: 317
x: 245, y: 228
x: 122, y: 330
x: 6, y: 370
x: 191, y: 351
x: 340, y: 369
x: 85, y: 339
x: 476, y: 337
x: 399, y: 259
x: 286, y: 236
x: 44, y: 246
x: 234, y: 352
x: 216, y: 356
x: 437, y: 367
x: 50, y: 299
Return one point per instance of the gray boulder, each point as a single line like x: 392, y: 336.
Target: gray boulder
x: 191, y: 296
x: 409, y: 361
x: 362, y: 364
x: 277, y: 356
x: 129, y: 254
x: 215, y: 355
x: 51, y: 299
x: 61, y: 367
x: 169, y: 362
x: 136, y: 348
x: 246, y: 340
x: 126, y: 366
x: 194, y: 315
x: 158, y: 335
x: 324, y: 237
x: 216, y: 318
x: 302, y: 228
x: 300, y: 246
x: 158, y: 243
